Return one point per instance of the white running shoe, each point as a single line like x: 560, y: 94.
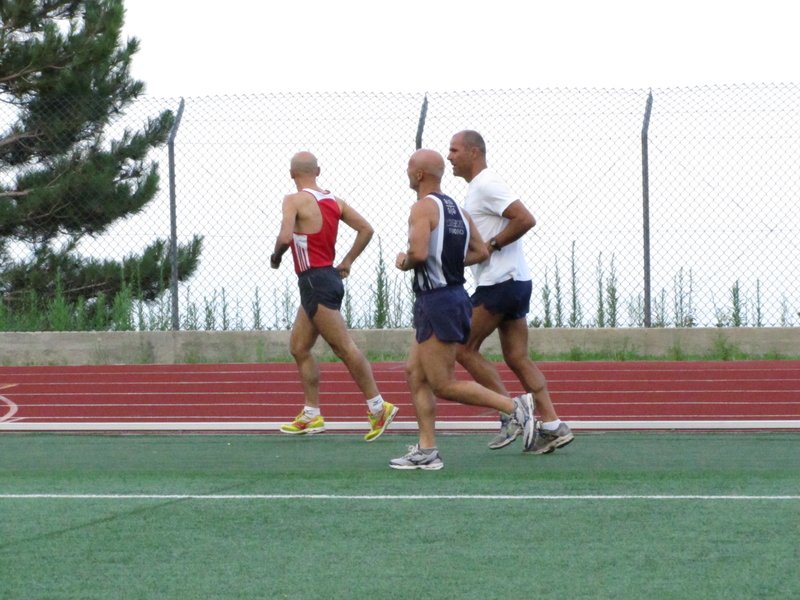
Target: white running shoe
x: 416, y: 459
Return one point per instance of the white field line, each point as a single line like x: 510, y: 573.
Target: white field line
x: 21, y: 425
x: 378, y: 497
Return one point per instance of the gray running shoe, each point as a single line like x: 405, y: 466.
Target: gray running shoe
x: 416, y: 459
x: 547, y: 441
x: 509, y: 431
x: 523, y: 416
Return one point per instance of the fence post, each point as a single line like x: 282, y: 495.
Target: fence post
x: 421, y: 126
x: 646, y: 208
x: 173, y: 220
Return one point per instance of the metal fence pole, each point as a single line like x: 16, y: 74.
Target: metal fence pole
x: 173, y: 220
x: 646, y: 209
x: 421, y: 126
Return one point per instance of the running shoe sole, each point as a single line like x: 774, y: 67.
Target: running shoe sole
x: 559, y: 442
x: 529, y: 427
x: 563, y: 441
x: 429, y: 467
x: 305, y: 431
x: 493, y: 445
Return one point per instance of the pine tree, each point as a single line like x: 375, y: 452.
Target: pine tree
x: 64, y: 69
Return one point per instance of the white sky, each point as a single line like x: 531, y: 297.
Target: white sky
x: 204, y: 48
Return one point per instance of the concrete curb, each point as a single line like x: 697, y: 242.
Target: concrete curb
x: 175, y: 347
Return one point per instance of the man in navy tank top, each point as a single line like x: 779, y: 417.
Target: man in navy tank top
x: 309, y: 227
x: 442, y: 240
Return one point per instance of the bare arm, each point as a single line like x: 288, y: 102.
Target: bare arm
x: 364, y: 231
x: 423, y: 219
x: 477, y: 250
x: 284, y: 241
x: 520, y: 221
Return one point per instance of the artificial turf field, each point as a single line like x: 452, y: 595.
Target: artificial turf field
x: 613, y: 515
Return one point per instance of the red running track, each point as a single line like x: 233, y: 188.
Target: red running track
x: 588, y: 395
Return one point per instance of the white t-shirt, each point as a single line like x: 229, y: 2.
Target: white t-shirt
x: 487, y: 197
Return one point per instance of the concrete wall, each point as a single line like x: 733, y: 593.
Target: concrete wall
x: 169, y: 347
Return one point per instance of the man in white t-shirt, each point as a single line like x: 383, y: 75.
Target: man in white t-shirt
x: 503, y: 291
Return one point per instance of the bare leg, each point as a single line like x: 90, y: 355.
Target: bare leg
x: 304, y: 334
x: 430, y: 372
x: 469, y: 355
x: 331, y: 326
x: 514, y: 342
x: 438, y: 363
x: 422, y: 397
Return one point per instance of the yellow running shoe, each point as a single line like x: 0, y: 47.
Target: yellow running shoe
x: 303, y: 425
x: 380, y: 422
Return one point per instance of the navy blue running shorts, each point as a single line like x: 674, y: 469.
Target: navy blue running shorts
x: 443, y: 312
x: 511, y: 299
x: 320, y: 285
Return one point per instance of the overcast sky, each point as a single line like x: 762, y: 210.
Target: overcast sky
x: 203, y: 48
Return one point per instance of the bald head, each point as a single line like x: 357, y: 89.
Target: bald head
x: 429, y: 162
x: 304, y: 164
x: 425, y: 171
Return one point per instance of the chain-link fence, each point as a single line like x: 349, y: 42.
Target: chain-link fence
x: 676, y: 207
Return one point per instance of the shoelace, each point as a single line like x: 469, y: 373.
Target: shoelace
x: 415, y: 454
x: 546, y: 433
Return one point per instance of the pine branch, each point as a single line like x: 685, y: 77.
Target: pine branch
x: 13, y: 139
x: 16, y: 194
x: 68, y: 85
x: 32, y: 22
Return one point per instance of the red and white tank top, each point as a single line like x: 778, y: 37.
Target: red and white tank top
x: 318, y: 249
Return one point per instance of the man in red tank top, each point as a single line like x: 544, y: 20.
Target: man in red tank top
x: 309, y: 227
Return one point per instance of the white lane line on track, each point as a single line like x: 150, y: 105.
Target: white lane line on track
x: 12, y: 409
x: 376, y: 497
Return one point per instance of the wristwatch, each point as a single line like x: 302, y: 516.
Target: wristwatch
x: 493, y: 243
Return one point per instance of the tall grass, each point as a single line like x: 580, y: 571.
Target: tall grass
x: 738, y: 312
x: 347, y: 306
x: 388, y: 305
x: 546, y: 301
x: 257, y: 325
x: 759, y: 321
x: 612, y: 297
x: 683, y: 303
x: 559, y: 302
x: 660, y: 310
x: 601, y: 301
x: 636, y: 311
x: 381, y: 296
x: 576, y: 312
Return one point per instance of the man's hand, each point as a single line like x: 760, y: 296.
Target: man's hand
x: 344, y: 269
x: 275, y: 261
x: 400, y: 261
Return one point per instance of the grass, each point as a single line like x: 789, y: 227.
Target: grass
x: 402, y: 542
x: 722, y: 351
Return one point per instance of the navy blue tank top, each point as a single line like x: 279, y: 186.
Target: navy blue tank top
x: 446, y: 249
